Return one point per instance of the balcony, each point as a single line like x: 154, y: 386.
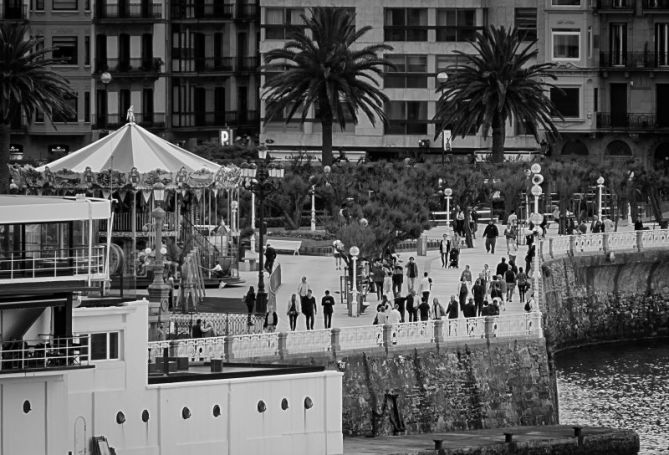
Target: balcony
x: 634, y: 60
x: 656, y: 6
x: 144, y: 12
x: 57, y: 353
x: 246, y: 64
x: 615, y: 6
x: 214, y: 119
x: 630, y: 121
x: 115, y: 121
x: 11, y: 13
x: 46, y: 265
x: 201, y: 12
x: 129, y: 65
x: 247, y: 12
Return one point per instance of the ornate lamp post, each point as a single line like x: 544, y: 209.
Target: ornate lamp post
x: 537, y: 180
x: 158, y: 291
x: 600, y: 187
x: 354, y: 251
x: 105, y: 78
x: 312, y: 192
x: 260, y: 182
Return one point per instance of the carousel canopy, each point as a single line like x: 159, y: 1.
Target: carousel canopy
x: 131, y: 146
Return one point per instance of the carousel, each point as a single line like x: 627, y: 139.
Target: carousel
x: 200, y: 198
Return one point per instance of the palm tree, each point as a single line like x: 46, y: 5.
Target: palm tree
x: 321, y: 68
x: 27, y: 85
x: 496, y: 84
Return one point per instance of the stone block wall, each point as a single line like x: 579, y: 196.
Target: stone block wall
x: 597, y: 298
x: 463, y: 386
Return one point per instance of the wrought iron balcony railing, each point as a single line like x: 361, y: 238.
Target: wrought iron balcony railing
x: 634, y: 60
x: 21, y: 355
x: 128, y: 65
x: 616, y: 5
x: 216, y: 118
x: 656, y: 5
x: 247, y: 11
x: 184, y: 63
x: 630, y: 121
x: 145, y: 10
x: 201, y: 11
x: 114, y: 121
x: 53, y: 264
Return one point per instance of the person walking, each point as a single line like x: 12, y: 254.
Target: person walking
x: 596, y: 226
x: 523, y: 286
x: 394, y: 316
x: 510, y: 278
x: 438, y: 309
x: 466, y: 276
x: 400, y: 302
x: 424, y: 310
x: 378, y: 275
x: 452, y: 308
x: 412, y: 308
x: 387, y: 281
x: 478, y: 290
x: 412, y: 274
x: 460, y: 221
x: 490, y: 234
x: 502, y: 267
x: 303, y: 289
x: 271, y: 321
x: 270, y: 256
x: 463, y: 293
x: 486, y: 278
x: 328, y: 304
x: 250, y: 302
x: 309, y: 309
x: 529, y: 257
x: 425, y: 286
x: 510, y: 235
x: 292, y: 312
x: 398, y: 279
x: 470, y: 309
x: 444, y: 249
x: 512, y: 220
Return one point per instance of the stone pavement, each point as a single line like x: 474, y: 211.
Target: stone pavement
x: 322, y: 274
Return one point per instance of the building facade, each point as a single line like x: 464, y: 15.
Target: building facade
x: 187, y: 67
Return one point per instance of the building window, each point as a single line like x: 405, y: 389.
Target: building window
x: 566, y: 2
x: 405, y: 24
x: 87, y: 107
x: 567, y: 100
x: 406, y: 117
x: 456, y: 24
x: 37, y: 5
x: 662, y: 44
x: 410, y: 72
x: 566, y: 44
x: 62, y: 118
x: 104, y: 346
x: 87, y: 50
x: 280, y: 22
x: 65, y: 49
x: 65, y: 5
x: 526, y: 23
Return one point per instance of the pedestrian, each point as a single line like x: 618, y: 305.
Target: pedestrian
x: 452, y: 308
x: 530, y: 305
x: 502, y: 285
x: 512, y: 220
x: 302, y: 289
x: 170, y: 283
x: 412, y: 274
x: 292, y: 312
x: 394, y: 316
x: 474, y: 223
x: 463, y: 292
x: 460, y: 221
x: 490, y: 234
x: 495, y: 288
x: 377, y: 277
x: 250, y: 302
x: 512, y: 250
x: 466, y: 276
x: 425, y: 286
x: 328, y: 304
x: 309, y: 309
x: 207, y: 329
x: 438, y: 309
x: 412, y: 308
x: 271, y: 321
x: 510, y: 278
x: 400, y: 302
x: 196, y: 331
x: 424, y: 310
x: 470, y: 309
x: 444, y: 249
x: 270, y: 256
x: 398, y: 279
x: 478, y: 290
x: 336, y: 252
x: 502, y: 267
x: 582, y: 228
x: 387, y: 281
x: 529, y: 257
x: 510, y: 235
x: 487, y: 278
x: 596, y: 226
x: 523, y: 284
x: 381, y: 317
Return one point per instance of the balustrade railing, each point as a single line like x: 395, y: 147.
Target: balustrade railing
x: 421, y: 332
x: 143, y: 222
x: 181, y: 325
x: 255, y: 346
x: 308, y: 341
x: 356, y: 338
x: 49, y: 264
x: 44, y: 354
x: 570, y: 245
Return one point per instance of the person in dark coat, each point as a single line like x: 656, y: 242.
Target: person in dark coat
x: 424, y: 310
x: 411, y: 309
x: 463, y: 292
x: 270, y: 256
x: 479, y: 295
x: 250, y: 301
x: 452, y: 308
x: 490, y: 234
x: 470, y: 309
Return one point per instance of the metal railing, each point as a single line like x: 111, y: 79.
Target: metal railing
x: 217, y: 118
x: 570, y: 245
x: 247, y: 11
x: 187, y: 10
x: 143, y: 222
x: 125, y: 10
x: 630, y: 121
x: 224, y: 324
x: 44, y: 354
x: 128, y: 65
x: 638, y: 60
x: 615, y: 4
x: 656, y: 4
x: 50, y: 264
x: 113, y: 121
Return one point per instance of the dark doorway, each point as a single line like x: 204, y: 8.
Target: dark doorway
x: 662, y: 103
x: 199, y: 104
x: 147, y: 51
x: 123, y: 52
x: 101, y: 53
x: 662, y: 158
x: 198, y: 48
x: 242, y: 104
x: 618, y: 105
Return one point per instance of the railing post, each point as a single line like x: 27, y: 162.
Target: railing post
x: 605, y: 242
x: 572, y: 245
x: 489, y: 327
x: 639, y: 241
x: 283, y: 351
x: 387, y: 336
x: 227, y: 348
x: 439, y: 332
x: 334, y: 341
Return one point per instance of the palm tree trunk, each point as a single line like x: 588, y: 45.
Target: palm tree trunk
x: 498, y: 138
x: 4, y: 158
x: 326, y: 140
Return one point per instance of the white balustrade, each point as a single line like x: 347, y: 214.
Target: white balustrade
x: 528, y: 324
x: 223, y: 323
x: 365, y: 337
x: 255, y: 346
x: 456, y: 329
x: 201, y: 349
x: 560, y: 245
x: 409, y: 333
x: 658, y: 238
x: 308, y: 341
x: 622, y: 241
x: 590, y: 243
x: 156, y: 349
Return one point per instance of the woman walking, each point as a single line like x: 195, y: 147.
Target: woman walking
x: 292, y: 312
x: 250, y: 301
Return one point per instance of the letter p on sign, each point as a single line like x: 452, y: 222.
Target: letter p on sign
x: 226, y: 136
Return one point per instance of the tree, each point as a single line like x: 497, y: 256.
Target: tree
x: 318, y: 70
x: 567, y: 178
x: 27, y: 86
x: 494, y: 85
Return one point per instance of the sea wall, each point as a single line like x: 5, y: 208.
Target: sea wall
x: 598, y: 298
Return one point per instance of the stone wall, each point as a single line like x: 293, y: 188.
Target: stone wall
x: 463, y: 386
x: 596, y: 298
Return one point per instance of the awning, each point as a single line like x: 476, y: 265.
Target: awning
x: 20, y: 209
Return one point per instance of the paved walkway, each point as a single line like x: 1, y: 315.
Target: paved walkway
x: 321, y: 274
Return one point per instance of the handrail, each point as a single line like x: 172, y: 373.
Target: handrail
x: 53, y: 263
x: 604, y: 243
x: 41, y: 354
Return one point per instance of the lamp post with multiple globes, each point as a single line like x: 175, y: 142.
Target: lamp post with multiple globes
x: 158, y: 291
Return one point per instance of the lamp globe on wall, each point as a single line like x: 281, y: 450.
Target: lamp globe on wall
x: 159, y: 192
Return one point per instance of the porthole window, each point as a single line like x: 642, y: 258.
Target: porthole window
x: 284, y: 404
x: 262, y: 407
x: 216, y: 411
x: 185, y: 413
x: 145, y: 416
x: 27, y: 407
x: 120, y: 417
x: 308, y: 403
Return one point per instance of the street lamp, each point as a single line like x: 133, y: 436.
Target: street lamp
x: 105, y: 78
x: 354, y: 251
x: 600, y: 187
x: 537, y: 180
x: 158, y: 291
x: 312, y: 192
x: 259, y: 182
x: 448, y: 193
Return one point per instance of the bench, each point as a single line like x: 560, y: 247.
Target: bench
x: 285, y: 245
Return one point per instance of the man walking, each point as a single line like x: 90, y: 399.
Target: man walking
x: 398, y: 279
x: 328, y: 303
x: 490, y: 233
x: 309, y: 309
x: 444, y: 249
x: 412, y: 274
x: 303, y: 289
x: 425, y: 287
x: 270, y: 255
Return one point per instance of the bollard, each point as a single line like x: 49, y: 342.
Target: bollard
x: 508, y: 437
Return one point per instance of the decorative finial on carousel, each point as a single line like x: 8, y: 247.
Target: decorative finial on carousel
x: 130, y: 116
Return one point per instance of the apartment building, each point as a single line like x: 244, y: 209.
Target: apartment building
x: 188, y: 67
x: 613, y: 69
x: 424, y: 34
